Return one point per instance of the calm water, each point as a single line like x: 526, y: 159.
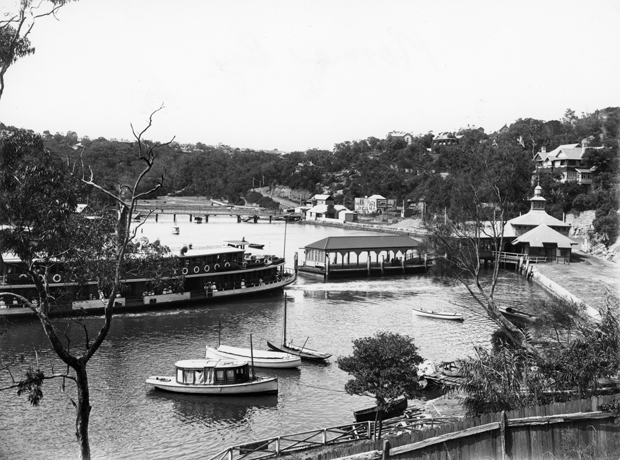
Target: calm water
x: 131, y: 421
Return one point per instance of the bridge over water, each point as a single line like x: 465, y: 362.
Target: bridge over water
x: 202, y: 211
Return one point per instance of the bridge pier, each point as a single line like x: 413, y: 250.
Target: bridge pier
x: 270, y: 217
x: 174, y: 218
x: 238, y: 219
x: 156, y: 217
x: 255, y: 219
x: 206, y: 218
x: 190, y: 217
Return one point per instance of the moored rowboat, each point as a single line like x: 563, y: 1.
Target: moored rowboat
x: 304, y: 353
x: 437, y: 314
x: 519, y: 315
x: 370, y: 414
x: 213, y: 377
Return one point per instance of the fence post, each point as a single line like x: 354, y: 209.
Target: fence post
x: 386, y: 450
x: 502, y: 431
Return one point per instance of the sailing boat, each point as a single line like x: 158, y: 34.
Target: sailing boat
x: 304, y: 353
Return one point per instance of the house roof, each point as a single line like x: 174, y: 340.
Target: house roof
x: 544, y: 235
x: 319, y: 208
x: 321, y: 197
x: 365, y: 243
x: 376, y: 197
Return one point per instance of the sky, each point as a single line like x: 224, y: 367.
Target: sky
x: 295, y: 75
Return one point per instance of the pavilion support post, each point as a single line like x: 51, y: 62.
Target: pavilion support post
x: 402, y: 263
x: 326, y: 266
x: 382, y: 264
x: 368, y: 263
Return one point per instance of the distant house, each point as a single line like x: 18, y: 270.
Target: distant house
x: 446, y: 138
x: 408, y: 138
x: 322, y: 208
x: 567, y: 160
x: 375, y: 204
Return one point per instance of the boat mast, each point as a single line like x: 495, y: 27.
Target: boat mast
x: 252, y: 357
x: 284, y: 340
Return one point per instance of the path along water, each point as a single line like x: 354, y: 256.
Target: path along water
x: 130, y: 421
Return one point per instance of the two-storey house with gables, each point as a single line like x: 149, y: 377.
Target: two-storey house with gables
x: 567, y: 160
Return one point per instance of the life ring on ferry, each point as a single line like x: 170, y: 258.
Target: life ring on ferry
x: 184, y: 271
x: 207, y: 268
x: 226, y: 265
x: 216, y: 267
x: 196, y: 269
x: 56, y: 278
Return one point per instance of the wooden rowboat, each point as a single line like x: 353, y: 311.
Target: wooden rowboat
x: 370, y: 414
x: 517, y: 315
x: 438, y: 314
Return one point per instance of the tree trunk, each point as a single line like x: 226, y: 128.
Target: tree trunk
x: 83, y: 411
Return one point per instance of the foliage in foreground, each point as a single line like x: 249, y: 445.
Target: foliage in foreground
x: 571, y: 367
x: 383, y: 366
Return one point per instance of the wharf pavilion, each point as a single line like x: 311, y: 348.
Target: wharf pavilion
x: 373, y: 256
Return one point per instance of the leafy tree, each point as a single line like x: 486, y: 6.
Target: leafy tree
x: 15, y: 30
x: 492, y: 184
x: 384, y: 367
x: 578, y: 354
x: 38, y: 196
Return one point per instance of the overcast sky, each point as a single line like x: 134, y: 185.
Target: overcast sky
x: 296, y: 75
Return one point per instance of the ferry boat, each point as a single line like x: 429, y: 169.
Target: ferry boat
x: 214, y: 377
x: 207, y: 275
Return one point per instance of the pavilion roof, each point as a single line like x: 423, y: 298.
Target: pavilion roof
x: 364, y: 243
x: 544, y: 235
x: 537, y: 217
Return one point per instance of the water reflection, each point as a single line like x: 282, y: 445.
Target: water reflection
x: 213, y: 410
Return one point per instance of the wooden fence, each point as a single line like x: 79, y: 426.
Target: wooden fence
x: 576, y: 429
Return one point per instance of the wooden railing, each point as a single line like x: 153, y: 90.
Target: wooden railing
x: 515, y: 257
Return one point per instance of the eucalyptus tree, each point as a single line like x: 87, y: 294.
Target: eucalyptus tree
x: 38, y: 198
x: 15, y: 29
x: 489, y: 189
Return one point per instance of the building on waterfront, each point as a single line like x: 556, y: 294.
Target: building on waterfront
x: 347, y: 256
x: 538, y: 234
x: 323, y: 207
x: 374, y: 204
